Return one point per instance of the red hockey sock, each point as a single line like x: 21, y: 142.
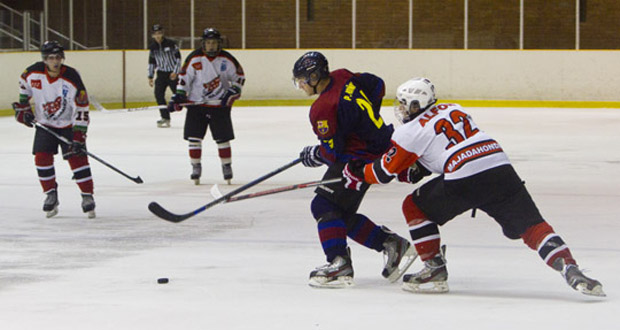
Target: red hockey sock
x: 549, y: 245
x: 195, y: 150
x: 44, y: 163
x: 81, y: 173
x: 424, y: 233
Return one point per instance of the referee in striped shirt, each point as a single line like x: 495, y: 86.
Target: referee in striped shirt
x: 165, y: 58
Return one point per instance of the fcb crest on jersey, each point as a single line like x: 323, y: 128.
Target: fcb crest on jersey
x: 322, y: 126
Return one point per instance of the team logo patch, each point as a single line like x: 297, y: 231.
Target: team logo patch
x: 197, y: 66
x: 322, y: 126
x: 36, y: 83
x: 82, y: 98
x: 223, y: 67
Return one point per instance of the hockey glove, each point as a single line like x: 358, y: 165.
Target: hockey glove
x: 23, y: 113
x: 231, y: 95
x: 176, y: 101
x: 353, y: 174
x: 78, y: 145
x: 413, y: 174
x: 311, y: 156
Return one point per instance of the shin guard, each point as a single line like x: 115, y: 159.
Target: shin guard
x: 549, y: 245
x: 44, y: 163
x: 424, y: 233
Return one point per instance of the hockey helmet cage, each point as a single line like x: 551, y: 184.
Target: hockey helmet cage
x: 413, y: 97
x: 52, y: 47
x: 211, y: 33
x: 310, y: 68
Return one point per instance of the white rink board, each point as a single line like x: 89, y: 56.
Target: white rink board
x: 245, y: 265
x: 537, y: 75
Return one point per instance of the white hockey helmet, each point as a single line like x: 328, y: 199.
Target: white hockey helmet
x: 413, y: 97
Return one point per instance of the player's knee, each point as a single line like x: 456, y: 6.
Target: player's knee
x: 413, y: 214
x: 535, y: 234
x: 43, y: 159
x: 322, y: 209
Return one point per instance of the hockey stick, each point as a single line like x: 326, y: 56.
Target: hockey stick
x: 159, y: 211
x: 67, y: 142
x: 215, y: 191
x: 154, y: 107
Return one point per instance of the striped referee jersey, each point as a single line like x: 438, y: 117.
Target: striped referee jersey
x: 164, y: 57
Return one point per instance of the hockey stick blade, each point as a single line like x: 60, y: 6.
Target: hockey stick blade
x: 159, y: 211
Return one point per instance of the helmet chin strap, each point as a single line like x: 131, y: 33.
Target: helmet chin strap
x: 315, y: 86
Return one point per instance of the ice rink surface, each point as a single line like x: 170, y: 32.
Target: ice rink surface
x: 244, y: 265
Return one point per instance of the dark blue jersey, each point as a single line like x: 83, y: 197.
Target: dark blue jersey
x: 346, y: 117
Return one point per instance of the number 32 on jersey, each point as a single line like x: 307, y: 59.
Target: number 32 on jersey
x: 456, y: 126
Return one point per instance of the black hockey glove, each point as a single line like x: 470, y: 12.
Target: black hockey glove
x: 23, y: 113
x: 311, y: 156
x: 76, y: 149
x: 231, y: 95
x: 176, y: 101
x: 353, y: 174
x: 413, y: 174
x: 77, y: 146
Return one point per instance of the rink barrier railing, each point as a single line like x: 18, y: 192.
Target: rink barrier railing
x: 389, y: 102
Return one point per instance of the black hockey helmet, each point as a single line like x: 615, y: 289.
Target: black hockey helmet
x: 52, y: 47
x: 310, y: 68
x: 211, y: 33
x: 157, y: 27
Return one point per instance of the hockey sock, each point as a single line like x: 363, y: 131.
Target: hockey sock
x: 44, y: 163
x: 333, y: 235
x: 424, y: 233
x: 195, y: 150
x: 224, y: 152
x: 81, y: 173
x: 364, y: 231
x: 549, y: 245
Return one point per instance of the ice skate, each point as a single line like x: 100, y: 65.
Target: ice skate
x: 575, y: 278
x: 433, y: 278
x: 196, y: 173
x: 227, y: 171
x: 398, y: 255
x: 335, y: 275
x: 88, y: 205
x: 163, y: 123
x: 50, y: 205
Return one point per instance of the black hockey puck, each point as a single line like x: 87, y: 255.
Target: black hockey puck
x: 162, y: 280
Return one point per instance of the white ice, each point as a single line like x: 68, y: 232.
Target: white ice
x: 244, y: 265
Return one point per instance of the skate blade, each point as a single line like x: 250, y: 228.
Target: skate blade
x: 322, y: 282
x: 91, y: 214
x: 228, y: 181
x: 51, y: 213
x: 430, y: 287
x: 196, y: 181
x: 405, y: 262
x: 597, y: 291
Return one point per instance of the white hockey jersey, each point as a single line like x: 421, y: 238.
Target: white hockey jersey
x: 445, y: 140
x: 58, y: 102
x: 206, y: 79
